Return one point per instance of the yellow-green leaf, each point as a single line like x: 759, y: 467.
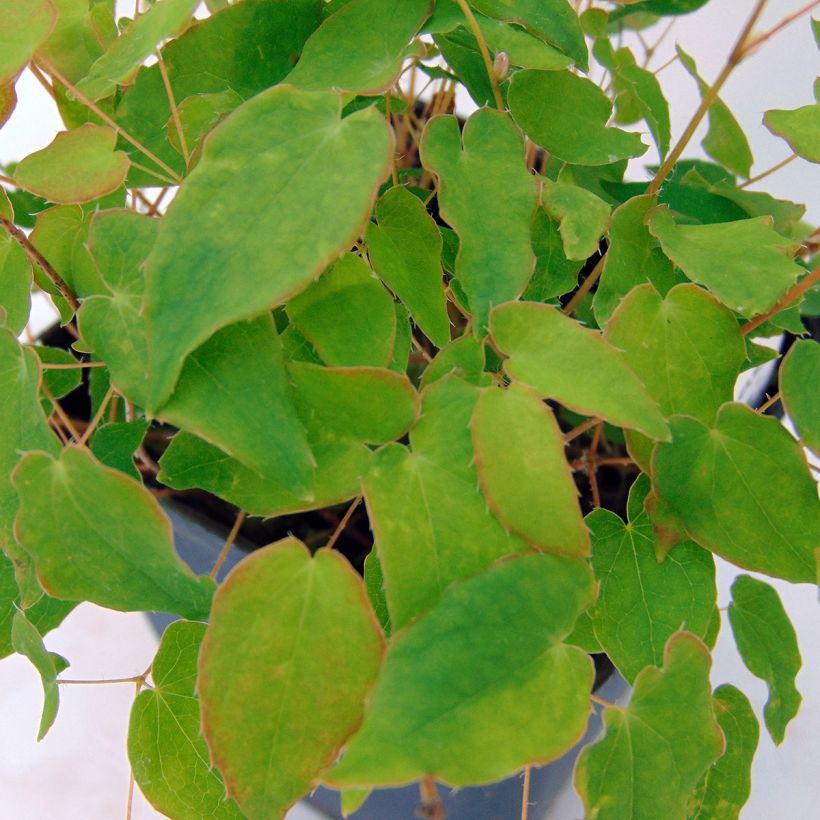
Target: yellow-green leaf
x: 799, y: 378
x: 583, y: 217
x: 25, y: 26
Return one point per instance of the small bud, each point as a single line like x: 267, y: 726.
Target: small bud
x: 501, y: 65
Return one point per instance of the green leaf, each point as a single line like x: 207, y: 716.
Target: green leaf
x: 485, y: 193
x: 138, y: 41
x: 234, y: 393
x: 567, y: 115
x: 685, y: 348
x: 114, y: 445
x: 374, y: 583
x: 369, y: 404
x: 583, y: 217
x: 15, y: 283
x: 283, y: 625
x: 742, y: 489
x: 353, y: 799
x: 77, y: 166
x: 168, y: 755
x: 347, y: 315
x: 72, y: 505
x: 799, y: 377
x: 745, y: 264
x: 248, y: 47
x: 662, y: 7
x: 553, y: 21
x: 800, y: 128
x: 573, y: 365
x: 643, y: 601
x: 525, y: 699
x: 405, y: 250
x: 767, y: 643
x: 25, y: 26
x: 633, y: 258
x: 522, y: 48
x: 244, y: 252
x: 522, y: 469
x: 554, y: 274
x: 430, y: 521
x: 655, y: 750
x: 725, y: 787
x: 463, y: 356
x: 26, y: 641
x: 360, y: 48
x: 725, y: 141
x: 640, y: 89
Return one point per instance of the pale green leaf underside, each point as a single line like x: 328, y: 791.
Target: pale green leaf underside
x: 767, y: 643
x: 573, y: 365
x: 655, y: 751
x: 283, y: 625
x: 800, y: 128
x: 743, y: 490
x: 505, y: 627
x: 117, y: 539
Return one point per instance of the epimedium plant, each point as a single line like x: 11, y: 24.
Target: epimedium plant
x: 354, y: 294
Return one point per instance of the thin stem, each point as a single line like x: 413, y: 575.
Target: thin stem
x: 422, y: 352
x: 8, y: 180
x: 764, y: 174
x: 580, y: 429
x: 592, y: 468
x: 735, y: 57
x: 183, y: 144
x: 795, y: 293
x: 787, y: 20
x: 108, y: 121
x: 97, y: 418
x: 586, y: 286
x: 71, y: 366
x: 229, y: 542
x: 431, y: 807
x: 485, y: 53
x: 601, y: 701
x: 41, y: 262
x: 666, y: 64
x: 132, y: 679
x: 43, y: 81
x: 64, y: 419
x: 768, y: 403
x: 343, y: 523
x: 388, y: 115
x: 525, y: 794
x: 156, y: 174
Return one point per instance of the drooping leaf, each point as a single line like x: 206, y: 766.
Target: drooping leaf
x: 78, y: 166
x: 26, y: 641
x: 168, y: 755
x: 576, y: 366
x: 463, y: 356
x: 522, y: 48
x: 745, y: 264
x: 244, y: 251
x: 655, y: 751
x: 369, y: 404
x: 360, y: 48
x: 25, y: 26
x: 284, y: 624
x: 685, y: 348
x: 430, y: 520
x: 522, y: 469
x: 800, y: 128
x: 114, y: 444
x: 242, y: 50
x: 566, y: 115
x: 138, y: 41
x: 642, y: 600
x: 15, y: 282
x: 485, y: 192
x: 553, y: 21
x: 583, y: 217
x: 799, y: 377
x: 461, y: 51
x: 633, y: 258
x: 504, y: 626
x: 554, y: 274
x: 405, y: 250
x: 118, y: 539
x: 234, y: 393
x: 725, y: 787
x: 767, y: 643
x: 742, y: 489
x: 725, y: 141
x: 347, y: 315
x: 641, y: 90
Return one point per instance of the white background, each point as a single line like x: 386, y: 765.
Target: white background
x: 80, y: 770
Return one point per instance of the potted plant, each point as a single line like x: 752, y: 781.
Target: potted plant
x: 486, y: 378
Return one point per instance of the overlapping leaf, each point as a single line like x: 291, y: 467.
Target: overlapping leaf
x: 799, y: 377
x: 426, y: 717
x: 800, y: 128
x: 25, y: 26
x: 583, y: 217
x: 283, y: 625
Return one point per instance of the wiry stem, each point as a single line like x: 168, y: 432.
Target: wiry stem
x: 795, y: 293
x: 485, y: 53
